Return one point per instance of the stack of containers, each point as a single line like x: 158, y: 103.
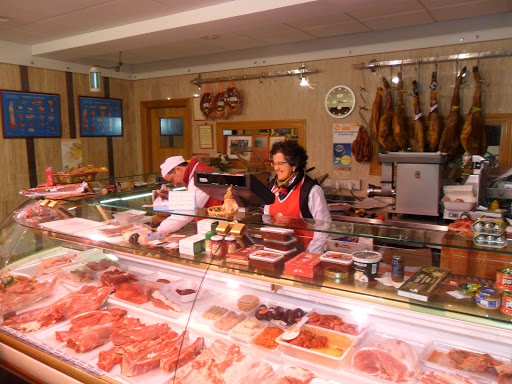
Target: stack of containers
x: 280, y: 245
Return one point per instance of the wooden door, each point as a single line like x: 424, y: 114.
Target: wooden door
x: 166, y: 131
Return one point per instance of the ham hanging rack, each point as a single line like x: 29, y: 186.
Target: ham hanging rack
x: 374, y: 64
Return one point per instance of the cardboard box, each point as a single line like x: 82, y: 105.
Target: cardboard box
x: 192, y: 245
x: 305, y: 264
x: 206, y: 225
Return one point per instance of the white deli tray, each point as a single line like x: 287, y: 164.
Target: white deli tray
x: 247, y: 329
x: 234, y: 318
x: 335, y: 340
x: 31, y: 268
x: 482, y: 377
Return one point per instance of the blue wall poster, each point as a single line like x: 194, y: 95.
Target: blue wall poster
x: 27, y: 114
x: 100, y: 116
x: 342, y: 137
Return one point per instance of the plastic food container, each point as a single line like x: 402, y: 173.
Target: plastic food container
x: 493, y: 241
x: 305, y: 264
x: 280, y: 245
x: 213, y: 313
x: 159, y: 281
x: 366, y: 264
x: 433, y: 356
x: 228, y: 321
x: 130, y: 216
x: 247, y: 329
x: 277, y: 234
x: 342, y: 261
x: 266, y: 337
x: 334, y: 339
x: 269, y: 259
x: 489, y: 225
x: 180, y: 285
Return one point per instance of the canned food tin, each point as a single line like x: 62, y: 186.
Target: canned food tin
x: 397, y: 268
x: 506, y: 303
x: 504, y: 279
x: 488, y: 298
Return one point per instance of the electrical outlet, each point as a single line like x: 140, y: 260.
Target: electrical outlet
x: 343, y: 184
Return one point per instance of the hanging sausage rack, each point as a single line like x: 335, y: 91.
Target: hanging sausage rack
x: 256, y: 76
x: 374, y: 64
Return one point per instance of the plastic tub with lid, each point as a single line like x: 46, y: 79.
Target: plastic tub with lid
x: 276, y: 234
x: 366, y: 265
x: 280, y: 245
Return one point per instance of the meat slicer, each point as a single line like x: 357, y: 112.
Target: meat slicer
x: 418, y: 181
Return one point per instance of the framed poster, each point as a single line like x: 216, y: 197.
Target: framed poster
x: 206, y: 136
x: 28, y: 114
x: 238, y: 141
x: 272, y: 140
x: 100, y: 116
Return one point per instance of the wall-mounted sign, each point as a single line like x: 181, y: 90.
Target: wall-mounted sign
x: 28, y: 114
x: 342, y: 137
x: 100, y: 116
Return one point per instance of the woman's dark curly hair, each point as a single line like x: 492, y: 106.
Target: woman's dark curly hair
x: 294, y: 153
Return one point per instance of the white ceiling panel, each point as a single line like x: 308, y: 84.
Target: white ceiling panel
x: 146, y: 31
x: 471, y: 9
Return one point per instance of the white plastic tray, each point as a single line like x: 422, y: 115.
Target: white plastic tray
x: 71, y: 226
x: 445, y: 348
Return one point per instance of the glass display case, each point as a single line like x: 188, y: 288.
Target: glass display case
x: 90, y: 290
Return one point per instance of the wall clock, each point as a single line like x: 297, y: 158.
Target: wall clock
x: 340, y: 101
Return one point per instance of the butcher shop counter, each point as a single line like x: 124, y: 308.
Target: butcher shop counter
x: 55, y: 260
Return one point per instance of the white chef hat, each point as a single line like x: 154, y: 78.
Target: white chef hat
x: 170, y: 163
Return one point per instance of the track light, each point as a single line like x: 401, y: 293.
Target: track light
x: 94, y: 79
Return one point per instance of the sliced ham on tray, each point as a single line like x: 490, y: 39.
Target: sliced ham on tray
x: 437, y: 377
x: 394, y: 360
x: 294, y: 375
x: 87, y: 299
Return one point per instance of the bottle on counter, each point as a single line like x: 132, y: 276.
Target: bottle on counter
x: 230, y: 243
x: 208, y: 241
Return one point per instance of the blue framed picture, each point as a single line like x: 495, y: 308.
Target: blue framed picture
x: 28, y: 114
x: 100, y: 116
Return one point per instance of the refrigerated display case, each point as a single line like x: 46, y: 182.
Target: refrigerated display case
x: 82, y: 300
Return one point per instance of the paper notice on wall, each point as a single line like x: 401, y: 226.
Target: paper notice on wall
x: 71, y: 153
x: 342, y: 137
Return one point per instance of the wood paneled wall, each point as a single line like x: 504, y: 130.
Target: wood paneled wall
x: 13, y: 152
x: 283, y: 98
x: 270, y: 99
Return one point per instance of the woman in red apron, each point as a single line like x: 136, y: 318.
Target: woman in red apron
x: 297, y: 195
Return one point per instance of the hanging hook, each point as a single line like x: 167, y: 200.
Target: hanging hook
x: 363, y: 119
x: 363, y: 89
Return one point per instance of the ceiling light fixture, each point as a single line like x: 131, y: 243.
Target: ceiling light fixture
x: 95, y: 75
x: 4, y: 19
x: 303, y: 81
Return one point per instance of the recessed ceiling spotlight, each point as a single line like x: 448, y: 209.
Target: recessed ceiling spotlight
x: 461, y: 39
x: 210, y: 37
x: 4, y: 19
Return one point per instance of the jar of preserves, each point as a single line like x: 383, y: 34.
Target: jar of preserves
x: 230, y: 243
x: 218, y: 249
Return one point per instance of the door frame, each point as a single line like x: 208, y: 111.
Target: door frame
x: 145, y: 124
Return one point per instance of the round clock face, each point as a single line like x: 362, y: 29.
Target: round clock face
x: 340, y: 101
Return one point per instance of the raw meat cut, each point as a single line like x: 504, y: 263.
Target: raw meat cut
x: 131, y: 343
x: 161, y: 301
x: 438, y: 377
x: 86, y: 299
x: 169, y: 362
x: 294, y: 375
x: 223, y: 363
x: 85, y: 340
x: 114, y: 277
x: 151, y: 357
x: 90, y: 319
x: 392, y: 359
x: 385, y: 130
x: 417, y: 134
x: 55, y: 261
x: 133, y: 292
x: 474, y: 134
